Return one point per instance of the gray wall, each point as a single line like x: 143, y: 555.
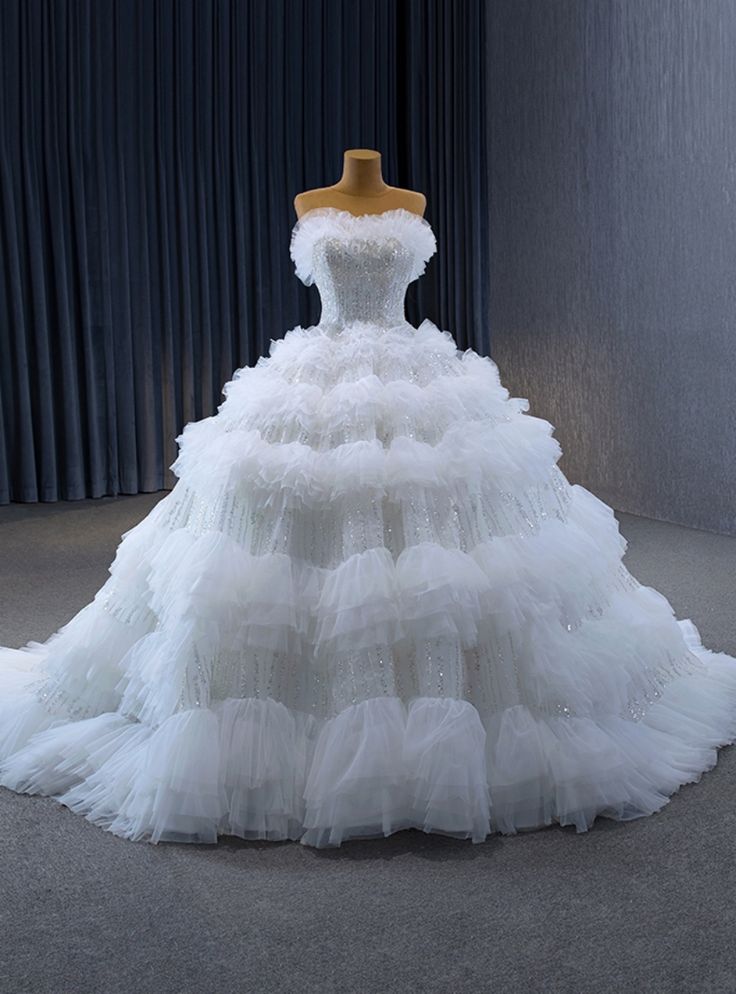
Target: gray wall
x: 613, y: 227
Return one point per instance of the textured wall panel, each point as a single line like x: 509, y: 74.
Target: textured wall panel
x: 613, y: 207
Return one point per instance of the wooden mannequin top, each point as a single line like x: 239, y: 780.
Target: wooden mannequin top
x: 361, y: 189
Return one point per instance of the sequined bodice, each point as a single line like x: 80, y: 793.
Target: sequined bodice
x: 361, y: 264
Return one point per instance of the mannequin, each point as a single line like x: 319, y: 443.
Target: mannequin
x: 361, y: 189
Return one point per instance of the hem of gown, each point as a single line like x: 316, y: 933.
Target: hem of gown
x: 252, y: 768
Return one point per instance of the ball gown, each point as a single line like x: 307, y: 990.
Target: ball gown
x: 372, y: 601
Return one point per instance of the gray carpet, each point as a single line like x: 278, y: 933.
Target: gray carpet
x: 644, y: 906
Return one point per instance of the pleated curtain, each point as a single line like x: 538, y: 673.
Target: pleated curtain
x: 149, y: 157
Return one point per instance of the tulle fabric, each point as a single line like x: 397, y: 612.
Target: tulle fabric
x: 255, y: 769
x: 412, y: 229
x: 371, y: 602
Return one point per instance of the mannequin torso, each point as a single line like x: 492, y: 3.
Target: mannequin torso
x: 361, y: 189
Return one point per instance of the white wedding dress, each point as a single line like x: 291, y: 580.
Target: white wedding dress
x: 372, y: 601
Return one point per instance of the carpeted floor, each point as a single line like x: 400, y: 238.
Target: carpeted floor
x: 644, y: 906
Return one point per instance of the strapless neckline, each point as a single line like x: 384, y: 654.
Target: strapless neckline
x: 348, y: 215
x: 318, y: 224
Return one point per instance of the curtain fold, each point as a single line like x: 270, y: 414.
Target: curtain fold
x: 149, y: 157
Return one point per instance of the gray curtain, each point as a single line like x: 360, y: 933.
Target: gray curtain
x: 149, y: 156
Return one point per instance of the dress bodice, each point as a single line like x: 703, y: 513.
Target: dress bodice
x: 361, y: 264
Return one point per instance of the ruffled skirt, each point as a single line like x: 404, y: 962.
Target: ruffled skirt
x: 372, y: 602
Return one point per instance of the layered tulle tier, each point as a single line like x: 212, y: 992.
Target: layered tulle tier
x: 326, y: 356
x: 313, y: 377
x: 376, y: 430
x: 366, y: 407
x: 191, y: 614
x: 256, y: 769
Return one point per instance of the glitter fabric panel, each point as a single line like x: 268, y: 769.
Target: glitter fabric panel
x: 362, y: 280
x: 361, y: 265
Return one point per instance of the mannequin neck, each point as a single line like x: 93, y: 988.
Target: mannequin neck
x: 361, y: 174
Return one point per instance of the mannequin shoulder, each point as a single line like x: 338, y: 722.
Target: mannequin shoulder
x: 410, y: 200
x: 310, y: 199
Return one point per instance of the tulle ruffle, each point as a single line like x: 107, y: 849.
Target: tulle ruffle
x: 284, y: 411
x: 414, y: 232
x: 319, y: 436
x: 324, y: 356
x: 256, y: 769
x: 553, y: 621
x: 521, y: 453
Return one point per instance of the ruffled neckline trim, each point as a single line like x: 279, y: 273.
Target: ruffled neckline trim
x: 315, y: 211
x: 414, y: 231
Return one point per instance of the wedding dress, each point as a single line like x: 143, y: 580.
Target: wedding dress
x: 372, y: 601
